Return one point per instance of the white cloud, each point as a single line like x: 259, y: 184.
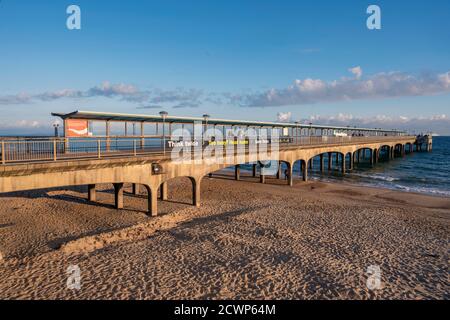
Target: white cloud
x: 435, y: 123
x: 378, y: 86
x: 123, y: 91
x: 20, y: 98
x: 357, y: 71
x: 284, y: 116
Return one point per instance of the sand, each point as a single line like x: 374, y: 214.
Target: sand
x: 247, y: 241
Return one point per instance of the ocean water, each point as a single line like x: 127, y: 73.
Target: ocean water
x: 422, y: 172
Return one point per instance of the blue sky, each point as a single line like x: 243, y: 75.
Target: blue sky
x: 233, y: 59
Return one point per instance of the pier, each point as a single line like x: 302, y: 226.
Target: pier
x: 148, y: 151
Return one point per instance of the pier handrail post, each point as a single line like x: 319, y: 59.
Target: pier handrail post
x: 3, y: 153
x: 134, y: 147
x: 99, y: 149
x: 54, y: 150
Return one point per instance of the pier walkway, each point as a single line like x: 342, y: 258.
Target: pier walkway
x: 151, y: 160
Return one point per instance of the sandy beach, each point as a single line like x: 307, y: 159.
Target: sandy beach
x: 247, y: 241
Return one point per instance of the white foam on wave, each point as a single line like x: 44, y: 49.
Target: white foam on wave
x: 377, y: 177
x: 423, y: 190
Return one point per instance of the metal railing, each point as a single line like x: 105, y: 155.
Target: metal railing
x: 56, y: 149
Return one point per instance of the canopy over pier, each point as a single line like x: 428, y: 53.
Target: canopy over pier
x: 99, y: 124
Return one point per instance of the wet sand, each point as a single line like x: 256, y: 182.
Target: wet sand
x: 247, y: 241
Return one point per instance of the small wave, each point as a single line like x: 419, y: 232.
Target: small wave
x: 377, y: 177
x: 422, y: 190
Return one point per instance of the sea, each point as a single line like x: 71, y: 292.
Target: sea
x: 421, y: 172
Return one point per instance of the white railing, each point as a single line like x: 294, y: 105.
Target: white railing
x: 56, y: 149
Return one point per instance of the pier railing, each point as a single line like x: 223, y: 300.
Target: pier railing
x: 16, y: 151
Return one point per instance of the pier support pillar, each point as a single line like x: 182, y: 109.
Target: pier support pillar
x: 321, y: 163
x: 343, y: 164
x: 330, y: 158
x: 350, y: 162
x: 310, y: 162
x: 163, y: 191
x: 118, y: 195
x: 371, y: 157
x: 262, y: 178
x: 152, y: 202
x: 301, y: 168
x: 237, y: 172
x: 290, y: 175
x: 196, y: 193
x: 134, y: 189
x: 92, y: 195
x: 305, y: 172
x: 254, y: 170
x: 279, y: 170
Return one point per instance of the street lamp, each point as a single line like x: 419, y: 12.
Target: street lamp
x: 56, y: 128
x: 296, y: 131
x: 164, y: 115
x: 206, y: 118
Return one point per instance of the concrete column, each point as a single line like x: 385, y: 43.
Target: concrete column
x: 330, y: 158
x: 262, y: 178
x: 134, y: 189
x: 371, y: 157
x: 196, y: 193
x: 305, y: 172
x: 91, y: 193
x: 152, y: 202
x: 279, y: 170
x: 290, y: 177
x: 343, y: 164
x: 237, y: 172
x: 118, y: 195
x: 254, y: 170
x: 163, y: 191
x: 321, y: 162
x: 350, y: 163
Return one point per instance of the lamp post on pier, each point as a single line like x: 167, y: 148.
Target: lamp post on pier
x: 56, y: 129
x: 297, y: 123
x: 310, y: 132
x: 206, y: 118
x: 164, y: 115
